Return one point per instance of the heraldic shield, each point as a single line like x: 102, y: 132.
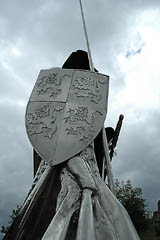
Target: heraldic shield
x: 65, y: 112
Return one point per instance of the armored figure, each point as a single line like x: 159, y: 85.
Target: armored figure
x: 69, y: 200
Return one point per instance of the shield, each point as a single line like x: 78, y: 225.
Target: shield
x: 65, y: 112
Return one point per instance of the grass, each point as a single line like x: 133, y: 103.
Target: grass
x: 149, y: 233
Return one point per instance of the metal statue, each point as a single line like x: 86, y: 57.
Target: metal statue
x: 69, y: 200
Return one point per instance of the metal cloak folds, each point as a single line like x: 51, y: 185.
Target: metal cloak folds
x: 68, y: 199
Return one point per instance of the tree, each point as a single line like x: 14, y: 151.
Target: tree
x: 15, y: 212
x: 136, y: 206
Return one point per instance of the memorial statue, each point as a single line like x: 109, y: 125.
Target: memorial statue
x: 69, y: 200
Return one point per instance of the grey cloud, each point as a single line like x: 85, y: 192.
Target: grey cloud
x: 15, y: 152
x: 138, y: 156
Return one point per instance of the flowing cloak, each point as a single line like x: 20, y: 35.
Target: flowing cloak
x: 74, y: 203
x: 71, y: 201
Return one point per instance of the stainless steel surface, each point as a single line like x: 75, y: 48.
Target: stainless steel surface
x: 66, y: 110
x: 86, y: 37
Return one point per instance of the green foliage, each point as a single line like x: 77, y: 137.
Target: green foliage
x: 136, y: 206
x: 157, y: 228
x: 12, y: 217
x: 4, y: 229
x: 149, y: 233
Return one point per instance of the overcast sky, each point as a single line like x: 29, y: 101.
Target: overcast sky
x: 125, y: 43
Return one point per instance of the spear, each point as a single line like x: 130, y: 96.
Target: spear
x: 105, y: 144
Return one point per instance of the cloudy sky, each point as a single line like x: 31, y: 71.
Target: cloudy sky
x: 125, y: 43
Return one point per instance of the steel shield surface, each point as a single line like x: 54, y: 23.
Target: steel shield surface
x: 66, y: 111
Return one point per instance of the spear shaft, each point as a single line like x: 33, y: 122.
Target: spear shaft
x: 105, y: 144
x: 86, y: 37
